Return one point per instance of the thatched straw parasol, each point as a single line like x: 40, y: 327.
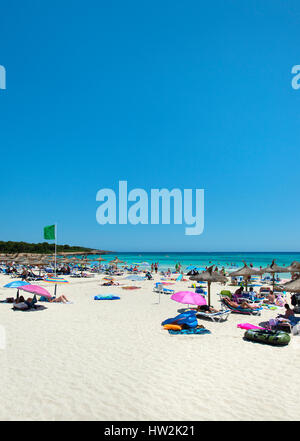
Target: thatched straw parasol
x: 209, y: 276
x: 273, y: 269
x: 293, y: 286
x: 294, y: 267
x: 246, y: 272
x: 99, y: 259
x: 72, y: 259
x: 5, y: 259
x: 116, y: 261
x: 64, y: 261
x: 82, y: 262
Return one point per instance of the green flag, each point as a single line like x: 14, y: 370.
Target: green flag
x: 49, y: 232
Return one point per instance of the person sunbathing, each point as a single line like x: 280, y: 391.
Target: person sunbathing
x: 60, y: 299
x: 206, y: 308
x: 244, y: 304
x: 239, y: 291
x: 21, y: 303
x: 20, y: 299
x: 110, y: 283
x: 270, y: 299
x: 252, y: 292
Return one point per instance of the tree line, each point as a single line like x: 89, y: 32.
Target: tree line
x: 42, y: 247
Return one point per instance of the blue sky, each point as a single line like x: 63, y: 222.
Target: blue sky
x: 162, y: 94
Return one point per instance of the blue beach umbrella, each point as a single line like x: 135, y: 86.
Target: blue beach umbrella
x: 194, y: 267
x: 16, y: 284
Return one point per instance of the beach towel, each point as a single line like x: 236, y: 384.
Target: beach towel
x: 35, y: 308
x: 131, y: 287
x: 272, y: 307
x: 191, y: 331
x: 106, y: 298
x: 248, y: 326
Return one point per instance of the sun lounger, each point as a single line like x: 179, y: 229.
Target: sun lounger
x: 161, y: 290
x: 158, y: 288
x: 240, y: 310
x: 220, y: 316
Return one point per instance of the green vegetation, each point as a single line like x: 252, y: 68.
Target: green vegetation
x: 42, y: 248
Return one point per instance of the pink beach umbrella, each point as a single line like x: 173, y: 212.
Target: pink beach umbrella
x: 37, y: 290
x: 188, y: 298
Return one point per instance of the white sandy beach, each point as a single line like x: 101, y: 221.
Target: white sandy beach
x: 112, y: 360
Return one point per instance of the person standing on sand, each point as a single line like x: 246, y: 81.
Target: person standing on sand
x: 152, y: 267
x: 156, y: 267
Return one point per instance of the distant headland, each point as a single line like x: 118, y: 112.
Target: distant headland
x: 10, y: 247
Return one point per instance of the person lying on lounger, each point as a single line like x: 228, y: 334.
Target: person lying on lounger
x: 206, y: 308
x: 244, y: 305
x: 252, y: 292
x: 60, y: 299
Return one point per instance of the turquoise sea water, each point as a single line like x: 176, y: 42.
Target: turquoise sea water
x: 228, y: 260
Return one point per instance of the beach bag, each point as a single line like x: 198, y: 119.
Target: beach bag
x: 285, y: 327
x: 279, y: 301
x: 296, y: 330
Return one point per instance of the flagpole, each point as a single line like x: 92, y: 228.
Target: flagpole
x: 55, y: 248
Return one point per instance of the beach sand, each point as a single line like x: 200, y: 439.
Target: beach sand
x: 112, y: 360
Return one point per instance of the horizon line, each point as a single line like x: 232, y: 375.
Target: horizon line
x: 269, y: 252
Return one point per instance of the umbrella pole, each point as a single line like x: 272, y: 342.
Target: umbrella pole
x: 55, y: 290
x: 208, y: 293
